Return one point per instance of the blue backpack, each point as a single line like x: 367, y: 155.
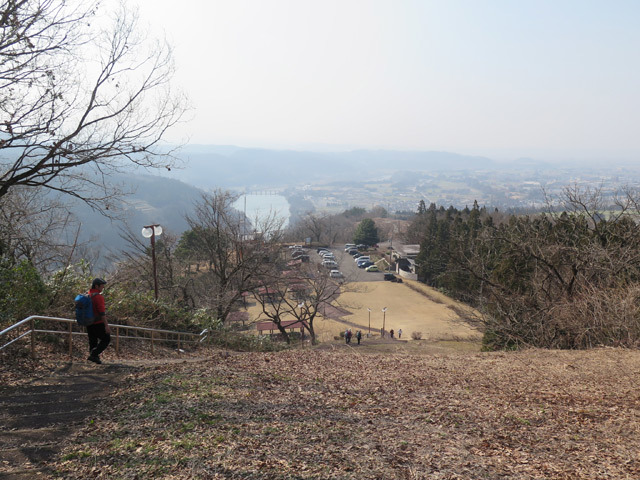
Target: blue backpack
x: 84, y: 309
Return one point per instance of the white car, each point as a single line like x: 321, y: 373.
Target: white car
x: 330, y: 264
x: 362, y: 259
x: 336, y: 274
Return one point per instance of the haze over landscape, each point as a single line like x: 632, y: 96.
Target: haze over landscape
x: 367, y: 103
x: 548, y: 80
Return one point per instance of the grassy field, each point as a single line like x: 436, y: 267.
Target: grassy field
x: 411, y: 306
x: 351, y: 413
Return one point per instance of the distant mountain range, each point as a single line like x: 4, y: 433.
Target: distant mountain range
x: 210, y: 166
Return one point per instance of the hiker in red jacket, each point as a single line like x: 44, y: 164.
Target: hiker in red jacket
x: 99, y: 332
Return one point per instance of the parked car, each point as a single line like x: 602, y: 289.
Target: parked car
x: 328, y: 256
x: 363, y: 258
x: 353, y: 251
x: 330, y: 264
x: 349, y: 246
x: 365, y: 264
x: 372, y: 268
x: 362, y: 247
x: 336, y: 274
x: 357, y: 255
x: 390, y: 277
x: 323, y: 252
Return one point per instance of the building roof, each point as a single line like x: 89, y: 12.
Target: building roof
x: 407, y: 250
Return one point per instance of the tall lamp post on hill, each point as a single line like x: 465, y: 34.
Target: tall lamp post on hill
x: 384, y: 318
x: 153, y: 231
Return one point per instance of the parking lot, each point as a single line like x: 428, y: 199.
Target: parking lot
x: 350, y: 270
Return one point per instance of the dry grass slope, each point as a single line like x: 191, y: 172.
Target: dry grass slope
x: 315, y: 414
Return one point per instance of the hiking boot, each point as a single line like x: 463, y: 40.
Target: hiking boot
x: 94, y: 359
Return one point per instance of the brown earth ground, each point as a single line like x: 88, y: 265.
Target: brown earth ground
x: 317, y: 414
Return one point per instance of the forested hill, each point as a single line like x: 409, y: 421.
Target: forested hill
x: 153, y: 200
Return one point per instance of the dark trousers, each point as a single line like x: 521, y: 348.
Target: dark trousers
x: 98, y: 338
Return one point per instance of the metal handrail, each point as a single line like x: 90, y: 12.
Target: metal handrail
x: 182, y: 337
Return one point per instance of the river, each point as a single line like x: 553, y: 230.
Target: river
x: 263, y: 205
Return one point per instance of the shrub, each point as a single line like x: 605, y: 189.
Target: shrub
x: 22, y: 292
x: 416, y: 335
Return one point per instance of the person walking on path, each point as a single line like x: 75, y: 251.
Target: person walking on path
x: 399, y: 333
x: 98, y: 332
x: 359, y: 336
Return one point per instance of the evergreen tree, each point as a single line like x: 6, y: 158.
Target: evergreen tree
x: 366, y: 233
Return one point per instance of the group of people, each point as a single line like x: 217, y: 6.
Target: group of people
x: 348, y: 334
x: 392, y: 333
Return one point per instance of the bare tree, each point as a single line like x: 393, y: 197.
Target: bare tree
x: 323, y: 228
x: 36, y: 228
x: 78, y: 101
x: 296, y: 299
x: 230, y: 250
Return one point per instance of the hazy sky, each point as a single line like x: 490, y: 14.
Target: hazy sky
x: 511, y: 77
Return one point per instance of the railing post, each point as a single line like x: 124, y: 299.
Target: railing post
x: 33, y: 339
x: 71, y: 341
x: 117, y: 341
x: 178, y: 343
x: 152, y: 349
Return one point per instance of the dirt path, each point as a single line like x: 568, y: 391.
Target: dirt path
x: 34, y: 417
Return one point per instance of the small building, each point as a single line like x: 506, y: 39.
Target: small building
x: 405, y: 259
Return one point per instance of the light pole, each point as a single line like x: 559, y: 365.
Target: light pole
x: 301, y: 305
x: 151, y: 231
x: 384, y: 318
x: 369, y: 334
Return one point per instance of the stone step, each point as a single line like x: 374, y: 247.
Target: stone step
x: 59, y: 388
x: 33, y: 437
x: 25, y: 460
x: 63, y: 404
x: 43, y: 420
x: 22, y: 474
x: 24, y: 399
